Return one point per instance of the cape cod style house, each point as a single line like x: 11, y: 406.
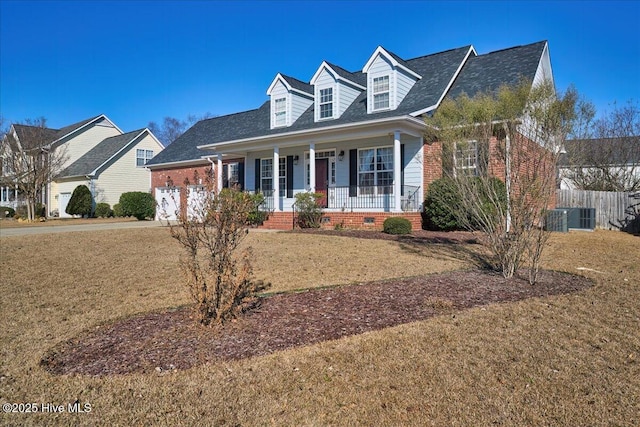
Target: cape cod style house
x: 356, y: 137
x: 96, y: 154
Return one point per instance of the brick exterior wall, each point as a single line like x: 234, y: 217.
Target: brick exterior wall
x: 534, y: 158
x: 159, y: 177
x: 352, y: 220
x: 431, y: 163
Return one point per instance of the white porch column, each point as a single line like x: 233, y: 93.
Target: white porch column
x: 312, y: 167
x: 219, y: 173
x: 397, y: 166
x: 276, y: 179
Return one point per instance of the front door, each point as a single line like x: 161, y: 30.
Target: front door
x: 322, y: 179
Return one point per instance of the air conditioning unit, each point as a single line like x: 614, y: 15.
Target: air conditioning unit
x: 581, y: 218
x: 556, y: 220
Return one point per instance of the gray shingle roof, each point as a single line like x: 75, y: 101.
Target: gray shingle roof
x: 437, y: 70
x: 34, y: 136
x: 486, y: 73
x: 46, y: 135
x: 400, y: 60
x: 99, y: 154
x: 357, y: 77
x: 601, y: 151
x: 298, y: 84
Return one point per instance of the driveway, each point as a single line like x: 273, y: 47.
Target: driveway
x: 26, y: 231
x: 44, y: 229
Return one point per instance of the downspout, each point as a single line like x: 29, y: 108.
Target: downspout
x: 508, y: 175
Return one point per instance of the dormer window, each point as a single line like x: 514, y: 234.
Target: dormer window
x: 280, y: 112
x: 389, y: 80
x: 289, y: 99
x: 334, y: 90
x: 326, y: 103
x: 381, y: 93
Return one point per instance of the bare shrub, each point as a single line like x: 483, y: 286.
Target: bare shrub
x: 210, y: 227
x: 514, y: 134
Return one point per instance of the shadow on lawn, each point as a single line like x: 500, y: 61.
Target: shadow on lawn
x: 438, y: 246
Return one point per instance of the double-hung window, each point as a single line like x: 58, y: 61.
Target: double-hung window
x: 375, y: 170
x: 231, y: 175
x: 380, y: 93
x: 466, y: 158
x: 326, y: 103
x: 143, y: 156
x: 280, y: 112
x: 266, y: 175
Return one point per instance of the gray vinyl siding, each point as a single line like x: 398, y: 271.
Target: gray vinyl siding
x: 299, y: 104
x: 279, y: 91
x: 343, y: 94
x: 380, y: 67
x: 412, y: 163
x: 347, y: 95
x: 324, y: 81
x: 543, y: 72
x: 296, y: 103
x: 404, y: 83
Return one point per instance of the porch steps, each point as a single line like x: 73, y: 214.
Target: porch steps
x: 279, y: 221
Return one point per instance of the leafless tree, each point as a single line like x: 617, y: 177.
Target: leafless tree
x: 30, y: 161
x: 514, y: 135
x: 171, y: 128
x: 604, y: 154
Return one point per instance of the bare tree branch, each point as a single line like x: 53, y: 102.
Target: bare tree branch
x: 30, y: 161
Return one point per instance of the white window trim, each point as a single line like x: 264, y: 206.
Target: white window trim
x: 230, y: 167
x: 376, y: 171
x: 280, y: 112
x: 281, y: 178
x: 462, y: 165
x: 145, y: 157
x: 321, y: 154
x: 331, y: 103
x: 379, y: 92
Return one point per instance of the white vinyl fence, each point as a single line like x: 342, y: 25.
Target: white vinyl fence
x: 612, y: 208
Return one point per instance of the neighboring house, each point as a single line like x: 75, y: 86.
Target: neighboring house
x: 97, y: 154
x: 601, y: 164
x: 356, y: 137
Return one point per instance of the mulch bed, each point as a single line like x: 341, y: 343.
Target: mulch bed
x: 416, y: 236
x: 171, y: 340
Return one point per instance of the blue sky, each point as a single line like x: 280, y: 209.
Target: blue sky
x: 139, y: 61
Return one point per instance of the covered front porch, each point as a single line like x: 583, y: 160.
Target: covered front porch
x: 9, y: 197
x: 372, y: 170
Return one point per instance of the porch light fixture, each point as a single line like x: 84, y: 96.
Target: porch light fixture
x: 341, y: 155
x: 295, y: 159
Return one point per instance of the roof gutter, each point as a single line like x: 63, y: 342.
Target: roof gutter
x: 412, y: 121
x: 190, y: 162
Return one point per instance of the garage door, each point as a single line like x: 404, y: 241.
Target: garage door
x: 63, y: 201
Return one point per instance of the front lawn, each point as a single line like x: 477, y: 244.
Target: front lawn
x: 569, y: 359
